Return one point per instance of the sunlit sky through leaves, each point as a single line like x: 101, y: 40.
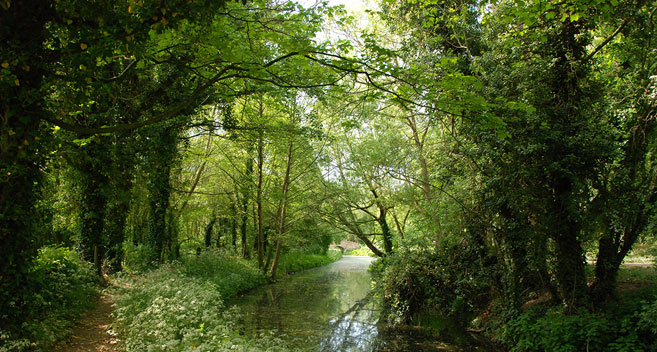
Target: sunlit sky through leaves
x: 355, y: 8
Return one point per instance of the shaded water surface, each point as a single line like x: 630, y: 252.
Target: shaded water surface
x: 330, y: 308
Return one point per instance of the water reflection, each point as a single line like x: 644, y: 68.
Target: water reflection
x: 330, y: 309
x: 353, y: 330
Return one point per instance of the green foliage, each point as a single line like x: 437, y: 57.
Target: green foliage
x: 448, y: 282
x: 648, y: 323
x: 297, y: 261
x: 60, y: 290
x: 628, y: 324
x: 180, y: 307
x: 584, y: 331
x: 138, y: 258
x: 362, y: 251
x: 229, y: 275
x: 166, y: 311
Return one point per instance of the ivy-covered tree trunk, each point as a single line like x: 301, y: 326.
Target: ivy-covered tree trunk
x: 385, y: 230
x: 524, y: 254
x: 567, y: 163
x: 23, y: 142
x: 92, y: 164
x: 159, y: 189
x: 569, y: 260
x: 208, y: 231
x: 118, y: 206
x: 223, y: 226
x: 115, y: 227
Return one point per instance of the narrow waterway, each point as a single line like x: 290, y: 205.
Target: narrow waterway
x: 330, y: 308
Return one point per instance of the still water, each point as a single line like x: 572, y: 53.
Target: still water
x: 330, y: 308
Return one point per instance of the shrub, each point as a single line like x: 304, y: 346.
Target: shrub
x: 60, y: 288
x: 553, y: 331
x: 413, y: 282
x: 648, y: 323
x: 137, y: 258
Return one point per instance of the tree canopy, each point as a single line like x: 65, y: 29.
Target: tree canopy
x: 503, y: 144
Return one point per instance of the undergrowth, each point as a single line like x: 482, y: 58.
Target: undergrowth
x: 179, y: 307
x: 60, y: 288
x: 230, y: 275
x: 629, y: 324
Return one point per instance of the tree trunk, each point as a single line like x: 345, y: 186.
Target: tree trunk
x: 274, y: 265
x: 569, y: 259
x: 119, y: 205
x: 233, y: 225
x: 208, y: 231
x: 626, y: 202
x: 116, y: 221
x: 565, y: 112
x: 283, y: 208
x: 23, y: 144
x: 93, y: 200
x: 159, y: 189
x: 425, y: 180
x: 385, y: 230
x: 246, y: 187
x: 383, y: 223
x: 260, y: 240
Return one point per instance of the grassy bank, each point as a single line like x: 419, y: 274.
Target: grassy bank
x: 179, y: 307
x: 175, y: 307
x: 295, y: 261
x: 362, y: 251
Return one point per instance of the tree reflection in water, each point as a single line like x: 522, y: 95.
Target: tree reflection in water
x: 331, y: 308
x: 354, y: 330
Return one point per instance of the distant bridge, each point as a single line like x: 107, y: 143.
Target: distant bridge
x: 344, y: 246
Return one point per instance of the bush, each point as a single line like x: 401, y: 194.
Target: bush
x: 648, y: 323
x: 553, y: 331
x: 137, y: 258
x: 443, y: 282
x: 60, y: 288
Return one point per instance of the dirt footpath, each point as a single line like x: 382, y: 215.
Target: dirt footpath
x: 94, y: 331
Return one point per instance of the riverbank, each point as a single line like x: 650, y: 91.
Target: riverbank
x: 180, y: 306
x: 419, y: 286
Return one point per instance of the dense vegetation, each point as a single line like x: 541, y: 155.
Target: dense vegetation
x: 484, y: 150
